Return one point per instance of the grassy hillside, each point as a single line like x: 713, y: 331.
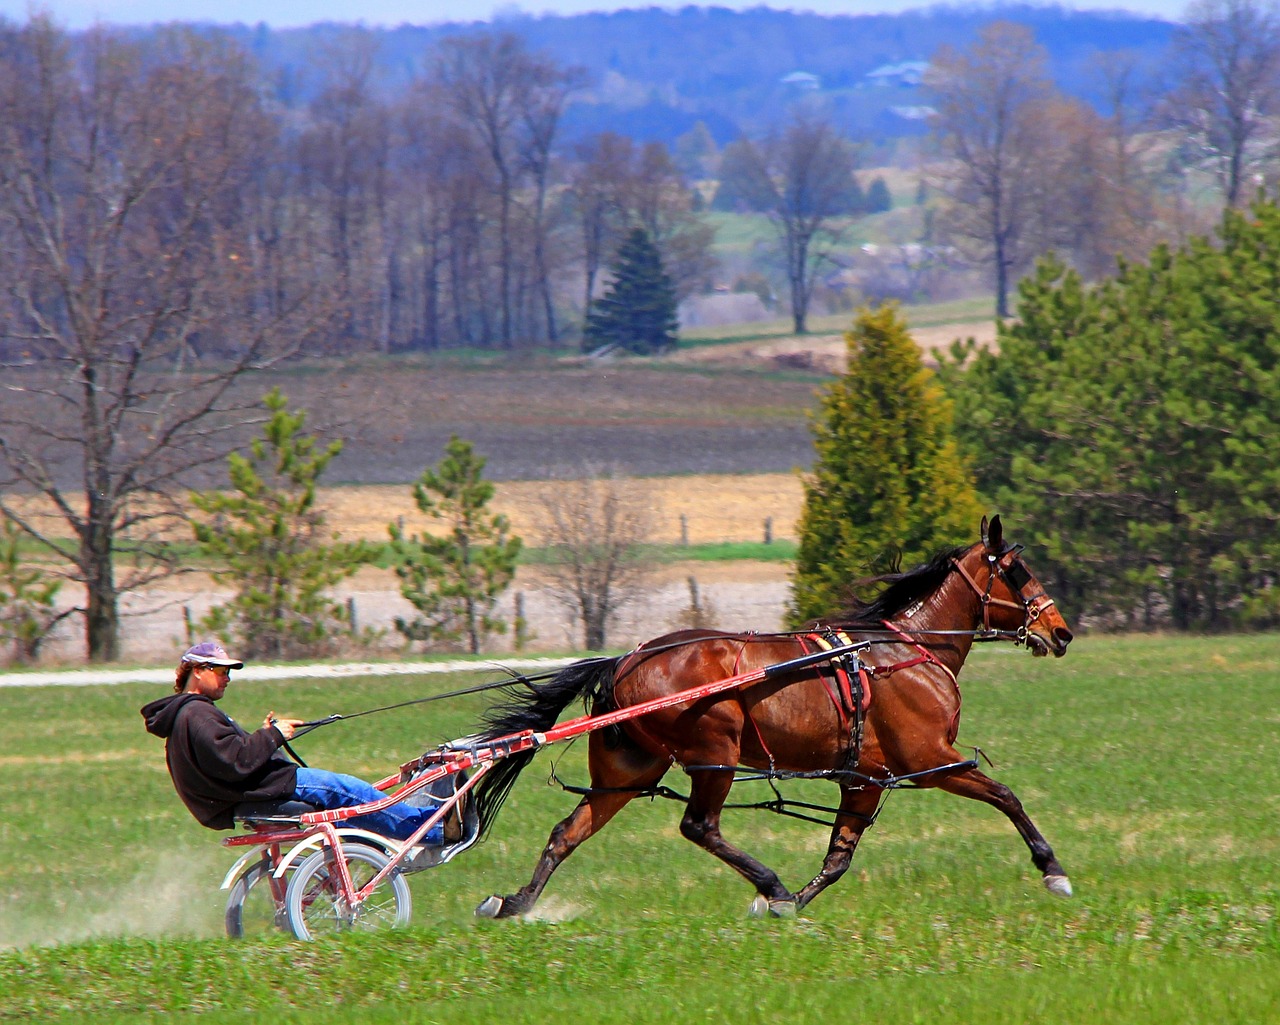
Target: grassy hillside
x: 1148, y: 762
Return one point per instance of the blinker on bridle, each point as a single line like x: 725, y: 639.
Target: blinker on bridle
x: 1009, y: 566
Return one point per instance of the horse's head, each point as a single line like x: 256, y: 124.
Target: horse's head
x: 1013, y: 600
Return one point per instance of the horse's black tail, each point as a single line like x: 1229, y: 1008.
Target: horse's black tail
x: 537, y: 710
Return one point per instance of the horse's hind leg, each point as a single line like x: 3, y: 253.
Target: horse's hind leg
x: 616, y: 777
x: 701, y: 824
x: 982, y: 787
x: 857, y: 811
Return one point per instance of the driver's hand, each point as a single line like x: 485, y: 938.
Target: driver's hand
x: 287, y: 727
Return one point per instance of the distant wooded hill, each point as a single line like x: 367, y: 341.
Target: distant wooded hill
x: 653, y: 74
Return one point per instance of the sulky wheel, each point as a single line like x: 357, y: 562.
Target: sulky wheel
x: 316, y: 905
x: 256, y: 903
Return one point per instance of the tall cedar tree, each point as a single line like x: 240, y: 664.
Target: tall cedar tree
x: 1134, y: 426
x: 454, y: 580
x: 638, y: 312
x: 889, y: 482
x: 269, y: 536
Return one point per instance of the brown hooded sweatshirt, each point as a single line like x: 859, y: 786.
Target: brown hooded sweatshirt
x: 215, y: 764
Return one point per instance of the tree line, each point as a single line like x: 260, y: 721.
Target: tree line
x: 454, y: 212
x: 159, y: 174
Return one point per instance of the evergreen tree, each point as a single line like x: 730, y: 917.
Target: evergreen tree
x: 638, y: 312
x: 454, y: 580
x: 1134, y: 427
x: 888, y: 482
x: 269, y: 541
x: 877, y: 200
x: 28, y: 595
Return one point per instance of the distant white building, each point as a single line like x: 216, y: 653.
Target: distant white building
x: 902, y: 73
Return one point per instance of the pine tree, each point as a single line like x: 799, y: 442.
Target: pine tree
x: 638, y: 312
x: 27, y: 601
x: 454, y: 580
x: 877, y: 200
x: 1133, y: 427
x: 268, y: 538
x: 888, y: 482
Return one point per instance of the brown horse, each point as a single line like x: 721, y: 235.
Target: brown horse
x: 921, y: 625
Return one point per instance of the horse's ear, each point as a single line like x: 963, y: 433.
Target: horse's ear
x: 993, y: 534
x: 982, y: 531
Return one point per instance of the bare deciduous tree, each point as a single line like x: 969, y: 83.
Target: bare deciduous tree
x: 130, y: 304
x: 1228, y: 67
x: 603, y: 164
x: 656, y: 197
x: 511, y: 101
x: 344, y: 155
x: 803, y: 178
x: 593, y: 530
x: 990, y: 102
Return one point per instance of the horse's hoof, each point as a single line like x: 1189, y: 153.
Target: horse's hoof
x: 490, y: 907
x: 1059, y: 885
x: 762, y: 906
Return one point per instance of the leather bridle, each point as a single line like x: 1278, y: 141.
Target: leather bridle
x: 1010, y: 568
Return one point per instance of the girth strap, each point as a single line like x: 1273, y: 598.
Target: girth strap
x: 851, y: 694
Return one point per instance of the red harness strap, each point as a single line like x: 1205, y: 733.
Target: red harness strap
x: 925, y: 656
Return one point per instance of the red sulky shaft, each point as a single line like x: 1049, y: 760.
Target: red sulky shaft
x: 587, y: 723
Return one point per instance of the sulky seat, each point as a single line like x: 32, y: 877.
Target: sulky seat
x: 251, y: 812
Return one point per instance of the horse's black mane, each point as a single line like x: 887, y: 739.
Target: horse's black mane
x: 899, y: 591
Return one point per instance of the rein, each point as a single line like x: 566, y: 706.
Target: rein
x: 517, y: 679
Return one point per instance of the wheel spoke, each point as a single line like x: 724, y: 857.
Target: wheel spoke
x: 316, y: 904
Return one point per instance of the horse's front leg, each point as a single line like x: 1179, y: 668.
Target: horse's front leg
x: 857, y: 812
x: 616, y: 777
x: 701, y: 824
x: 981, y: 787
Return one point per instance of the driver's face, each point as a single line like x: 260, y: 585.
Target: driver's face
x: 211, y: 681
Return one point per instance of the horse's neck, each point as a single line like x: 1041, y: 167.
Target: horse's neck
x: 952, y: 607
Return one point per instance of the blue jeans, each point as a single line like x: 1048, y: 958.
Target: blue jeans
x: 331, y: 790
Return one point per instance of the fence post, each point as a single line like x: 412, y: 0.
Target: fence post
x: 768, y: 530
x: 521, y: 626
x: 351, y: 614
x: 684, y: 530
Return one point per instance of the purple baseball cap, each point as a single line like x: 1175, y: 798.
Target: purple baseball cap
x: 211, y: 653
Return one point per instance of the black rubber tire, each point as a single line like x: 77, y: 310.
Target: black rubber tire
x: 315, y: 908
x: 251, y: 908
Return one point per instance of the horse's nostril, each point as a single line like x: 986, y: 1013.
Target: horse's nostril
x: 1062, y: 635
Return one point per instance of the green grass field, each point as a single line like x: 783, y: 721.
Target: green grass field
x: 1150, y: 763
